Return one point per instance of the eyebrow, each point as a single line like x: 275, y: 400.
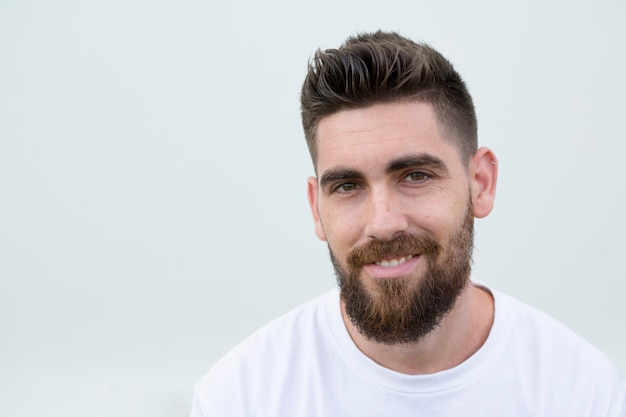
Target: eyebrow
x: 414, y: 161
x: 408, y: 161
x: 339, y: 174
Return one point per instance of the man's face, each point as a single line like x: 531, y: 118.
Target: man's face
x: 394, y: 203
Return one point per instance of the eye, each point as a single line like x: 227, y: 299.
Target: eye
x: 345, y: 188
x: 417, y: 176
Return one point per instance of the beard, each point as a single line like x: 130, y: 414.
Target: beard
x: 398, y: 311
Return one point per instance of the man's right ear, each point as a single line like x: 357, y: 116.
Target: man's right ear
x: 312, y: 194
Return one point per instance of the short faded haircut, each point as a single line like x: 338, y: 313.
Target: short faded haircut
x: 384, y: 67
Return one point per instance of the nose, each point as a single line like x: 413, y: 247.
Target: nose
x: 385, y: 216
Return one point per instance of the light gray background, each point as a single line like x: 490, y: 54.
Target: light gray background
x: 152, y: 180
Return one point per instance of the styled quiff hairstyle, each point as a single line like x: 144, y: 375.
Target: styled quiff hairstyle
x: 385, y: 67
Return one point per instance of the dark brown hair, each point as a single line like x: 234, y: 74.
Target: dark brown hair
x: 384, y: 67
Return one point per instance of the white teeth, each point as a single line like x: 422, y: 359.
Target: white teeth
x: 393, y: 262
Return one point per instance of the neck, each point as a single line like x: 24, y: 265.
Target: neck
x: 461, y: 333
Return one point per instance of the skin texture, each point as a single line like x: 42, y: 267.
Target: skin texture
x: 387, y: 171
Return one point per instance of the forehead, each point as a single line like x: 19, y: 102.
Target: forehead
x: 380, y: 133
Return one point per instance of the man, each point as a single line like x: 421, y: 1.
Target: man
x: 399, y: 179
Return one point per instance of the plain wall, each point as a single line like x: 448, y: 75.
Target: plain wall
x: 153, y: 179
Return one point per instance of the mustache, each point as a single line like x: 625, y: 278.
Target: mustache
x: 401, y: 245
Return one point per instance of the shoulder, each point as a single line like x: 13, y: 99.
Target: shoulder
x: 282, y: 335
x: 541, y: 331
x: 550, y: 357
x: 272, y: 354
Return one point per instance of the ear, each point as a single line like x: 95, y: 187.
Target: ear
x: 312, y: 194
x: 483, y: 178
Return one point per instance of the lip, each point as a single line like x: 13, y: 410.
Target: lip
x: 401, y: 270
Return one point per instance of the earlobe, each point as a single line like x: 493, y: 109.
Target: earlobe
x: 312, y: 194
x: 484, y: 176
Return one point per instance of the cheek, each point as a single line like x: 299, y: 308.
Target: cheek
x: 440, y: 217
x: 340, y: 232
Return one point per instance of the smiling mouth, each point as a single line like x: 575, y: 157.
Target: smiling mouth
x: 387, y: 263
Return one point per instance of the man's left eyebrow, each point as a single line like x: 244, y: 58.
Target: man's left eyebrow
x: 417, y: 161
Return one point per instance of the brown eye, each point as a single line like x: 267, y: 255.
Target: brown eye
x: 346, y: 187
x: 416, y: 176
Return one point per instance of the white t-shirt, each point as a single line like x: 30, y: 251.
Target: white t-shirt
x: 305, y: 364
